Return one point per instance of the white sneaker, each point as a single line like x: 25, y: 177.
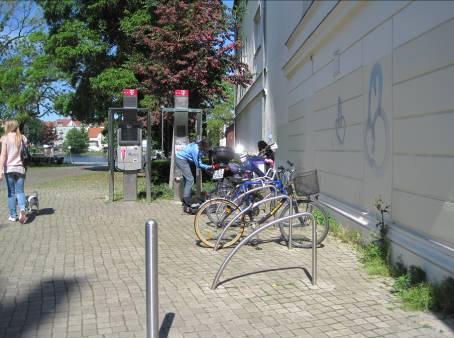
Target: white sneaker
x: 23, y: 216
x: 12, y: 219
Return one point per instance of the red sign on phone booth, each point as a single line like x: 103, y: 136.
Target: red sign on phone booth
x: 130, y: 98
x: 181, y: 98
x: 130, y: 92
x: 181, y: 92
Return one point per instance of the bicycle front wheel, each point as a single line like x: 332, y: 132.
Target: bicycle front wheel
x: 212, y: 218
x: 302, y: 226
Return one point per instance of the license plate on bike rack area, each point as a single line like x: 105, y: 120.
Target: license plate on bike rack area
x: 218, y: 174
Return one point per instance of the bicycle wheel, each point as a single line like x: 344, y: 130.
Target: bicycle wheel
x: 223, y: 189
x: 302, y: 226
x: 211, y: 219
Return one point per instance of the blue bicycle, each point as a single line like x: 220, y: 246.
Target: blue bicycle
x: 215, y: 214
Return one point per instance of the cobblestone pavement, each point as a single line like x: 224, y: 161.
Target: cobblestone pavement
x: 77, y: 270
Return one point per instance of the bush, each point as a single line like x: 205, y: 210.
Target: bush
x: 160, y: 171
x: 444, y: 296
x: 416, y: 275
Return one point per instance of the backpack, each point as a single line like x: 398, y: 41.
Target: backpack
x: 25, y: 154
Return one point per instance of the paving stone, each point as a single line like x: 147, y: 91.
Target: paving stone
x: 78, y: 270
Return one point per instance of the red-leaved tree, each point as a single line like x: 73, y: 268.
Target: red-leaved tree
x: 190, y: 45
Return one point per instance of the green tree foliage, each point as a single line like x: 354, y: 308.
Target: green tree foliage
x: 34, y: 131
x: 221, y: 115
x: 28, y: 76
x: 89, y: 42
x: 156, y: 46
x: 77, y: 140
x: 17, y: 21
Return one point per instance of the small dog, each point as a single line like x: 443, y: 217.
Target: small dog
x: 32, y: 201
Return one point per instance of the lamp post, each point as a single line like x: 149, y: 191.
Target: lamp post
x: 70, y: 158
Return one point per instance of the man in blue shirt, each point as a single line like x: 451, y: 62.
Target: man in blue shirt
x: 191, y: 153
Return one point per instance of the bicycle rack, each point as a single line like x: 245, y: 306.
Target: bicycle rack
x: 262, y: 187
x: 246, y: 239
x: 249, y: 207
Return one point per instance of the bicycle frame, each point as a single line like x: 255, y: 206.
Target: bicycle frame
x: 254, y: 205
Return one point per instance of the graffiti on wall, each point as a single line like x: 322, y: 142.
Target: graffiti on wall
x: 376, y: 136
x: 340, y: 123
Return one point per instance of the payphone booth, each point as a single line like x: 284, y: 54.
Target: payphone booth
x: 180, y: 139
x: 126, y: 154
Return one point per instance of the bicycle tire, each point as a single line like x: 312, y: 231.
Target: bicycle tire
x: 223, y: 189
x: 301, y: 227
x: 208, y: 226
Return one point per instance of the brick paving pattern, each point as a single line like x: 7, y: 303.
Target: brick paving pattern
x: 77, y: 270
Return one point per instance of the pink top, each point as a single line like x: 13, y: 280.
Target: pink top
x: 12, y: 162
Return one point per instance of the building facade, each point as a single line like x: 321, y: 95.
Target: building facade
x: 362, y: 92
x: 95, y: 138
x: 62, y: 126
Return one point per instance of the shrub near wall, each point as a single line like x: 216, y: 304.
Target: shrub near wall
x: 160, y: 171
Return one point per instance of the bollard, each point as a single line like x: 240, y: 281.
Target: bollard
x: 151, y: 261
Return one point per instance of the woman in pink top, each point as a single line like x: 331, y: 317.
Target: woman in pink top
x: 12, y: 167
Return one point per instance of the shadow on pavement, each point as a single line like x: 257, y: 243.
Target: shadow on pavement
x: 40, y: 305
x: 97, y: 168
x: 264, y: 271
x: 166, y: 324
x: 32, y: 215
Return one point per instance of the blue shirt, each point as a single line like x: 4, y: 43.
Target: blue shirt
x: 192, y: 154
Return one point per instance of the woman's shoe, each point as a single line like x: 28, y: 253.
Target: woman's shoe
x: 22, y: 216
x: 12, y: 219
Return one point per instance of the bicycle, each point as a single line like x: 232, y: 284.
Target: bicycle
x: 214, y: 215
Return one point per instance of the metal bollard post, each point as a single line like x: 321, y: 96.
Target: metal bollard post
x: 151, y: 261
x: 314, y: 251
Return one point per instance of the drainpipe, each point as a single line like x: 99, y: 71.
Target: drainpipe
x: 264, y: 69
x: 235, y: 103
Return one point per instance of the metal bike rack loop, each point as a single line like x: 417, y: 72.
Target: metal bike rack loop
x: 249, y: 207
x: 246, y: 239
x: 248, y: 192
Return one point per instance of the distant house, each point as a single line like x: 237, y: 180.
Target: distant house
x: 95, y: 139
x: 62, y: 126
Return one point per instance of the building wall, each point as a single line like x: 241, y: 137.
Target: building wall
x: 362, y: 91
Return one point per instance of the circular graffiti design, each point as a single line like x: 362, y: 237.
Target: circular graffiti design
x: 340, y: 123
x: 376, y: 145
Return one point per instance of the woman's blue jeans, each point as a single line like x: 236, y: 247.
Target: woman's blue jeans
x: 15, y: 185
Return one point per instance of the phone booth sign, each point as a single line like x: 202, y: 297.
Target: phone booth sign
x: 130, y: 98
x: 181, y: 98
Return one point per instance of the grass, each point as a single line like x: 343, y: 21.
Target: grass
x: 99, y: 181
x: 418, y: 297
x: 410, y: 283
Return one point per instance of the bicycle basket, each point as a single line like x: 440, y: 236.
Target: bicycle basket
x: 306, y: 184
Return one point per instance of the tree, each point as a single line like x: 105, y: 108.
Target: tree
x: 34, y: 131
x: 89, y: 42
x: 77, y: 140
x: 190, y: 45
x: 16, y: 22
x: 28, y: 76
x: 49, y: 135
x: 221, y: 115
